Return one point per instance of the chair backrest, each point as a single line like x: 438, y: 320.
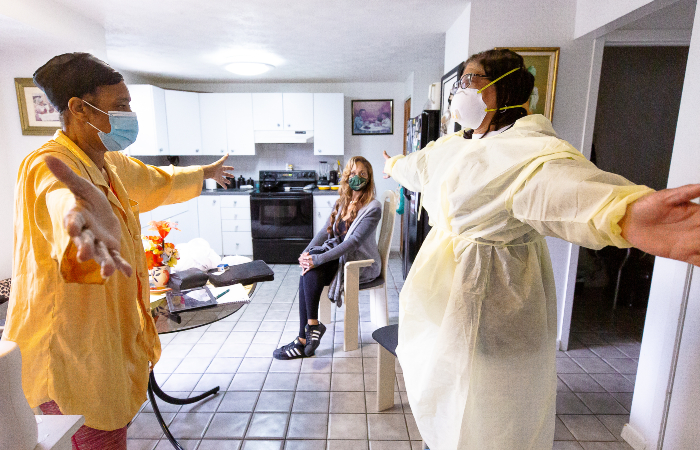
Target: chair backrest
x: 389, y: 200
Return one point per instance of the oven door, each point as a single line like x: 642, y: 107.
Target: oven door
x: 281, y: 216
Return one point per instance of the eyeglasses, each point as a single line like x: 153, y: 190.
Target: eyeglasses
x: 465, y: 81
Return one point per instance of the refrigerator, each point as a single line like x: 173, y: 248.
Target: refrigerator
x: 420, y: 130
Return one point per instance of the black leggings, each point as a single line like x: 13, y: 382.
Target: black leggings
x: 311, y: 286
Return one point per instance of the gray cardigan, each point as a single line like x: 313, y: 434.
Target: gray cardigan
x: 357, y: 244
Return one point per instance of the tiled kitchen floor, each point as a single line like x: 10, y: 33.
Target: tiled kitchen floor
x: 328, y: 401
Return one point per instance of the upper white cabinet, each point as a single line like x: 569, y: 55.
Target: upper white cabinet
x: 188, y: 123
x: 329, y: 124
x: 268, y: 113
x: 213, y: 122
x: 298, y: 111
x: 239, y: 124
x: 184, y: 129
x: 289, y: 112
x: 148, y: 102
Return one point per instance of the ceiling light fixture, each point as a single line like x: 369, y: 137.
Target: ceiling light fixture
x: 249, y: 68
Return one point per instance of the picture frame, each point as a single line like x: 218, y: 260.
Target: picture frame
x: 544, y: 62
x: 372, y: 117
x: 447, y: 124
x: 37, y: 115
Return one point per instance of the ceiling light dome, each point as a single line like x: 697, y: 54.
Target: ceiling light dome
x: 249, y: 68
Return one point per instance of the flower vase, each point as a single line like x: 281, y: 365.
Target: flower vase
x: 159, y: 276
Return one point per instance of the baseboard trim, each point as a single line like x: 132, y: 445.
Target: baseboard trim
x: 634, y: 438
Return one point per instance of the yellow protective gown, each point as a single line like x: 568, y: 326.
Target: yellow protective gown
x: 478, y: 310
x: 86, y: 342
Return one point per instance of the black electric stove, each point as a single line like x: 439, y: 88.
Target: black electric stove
x: 281, y: 213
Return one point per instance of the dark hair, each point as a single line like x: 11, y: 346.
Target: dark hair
x: 73, y: 75
x: 511, y: 90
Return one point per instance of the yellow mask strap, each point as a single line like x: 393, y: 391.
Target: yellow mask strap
x: 507, y: 73
x: 505, y: 107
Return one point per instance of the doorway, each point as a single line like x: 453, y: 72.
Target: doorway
x: 635, y: 124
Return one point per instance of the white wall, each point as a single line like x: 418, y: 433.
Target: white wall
x: 598, y: 17
x: 428, y: 71
x: 20, y: 58
x: 457, y: 40
x: 674, y: 294
x: 371, y: 147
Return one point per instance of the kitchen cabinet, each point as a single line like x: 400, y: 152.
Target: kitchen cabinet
x: 213, y: 123
x: 209, y: 213
x: 185, y: 214
x: 323, y: 206
x: 184, y: 129
x: 148, y: 102
x: 235, y: 225
x: 268, y: 113
x: 329, y: 124
x: 298, y: 111
x: 289, y: 112
x: 239, y: 124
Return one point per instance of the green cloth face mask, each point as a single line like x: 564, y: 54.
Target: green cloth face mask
x: 357, y: 183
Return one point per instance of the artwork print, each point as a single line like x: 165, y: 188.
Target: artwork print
x: 372, y: 116
x: 37, y: 115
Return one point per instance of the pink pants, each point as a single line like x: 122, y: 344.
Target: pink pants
x: 87, y: 438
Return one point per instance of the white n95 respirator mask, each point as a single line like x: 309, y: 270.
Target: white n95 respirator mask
x: 468, y: 108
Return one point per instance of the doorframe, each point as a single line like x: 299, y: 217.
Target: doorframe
x: 406, y: 116
x: 619, y: 38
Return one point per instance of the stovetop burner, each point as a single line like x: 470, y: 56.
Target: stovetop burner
x: 286, y: 181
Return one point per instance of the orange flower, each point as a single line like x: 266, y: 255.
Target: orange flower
x: 153, y: 260
x: 163, y: 227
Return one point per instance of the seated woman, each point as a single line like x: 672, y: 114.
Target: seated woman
x: 349, y: 235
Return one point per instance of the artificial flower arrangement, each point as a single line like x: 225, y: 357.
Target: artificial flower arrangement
x: 160, y: 253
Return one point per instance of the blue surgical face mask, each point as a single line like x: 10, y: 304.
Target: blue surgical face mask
x: 125, y: 128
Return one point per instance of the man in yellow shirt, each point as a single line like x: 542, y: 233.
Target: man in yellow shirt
x: 79, y: 306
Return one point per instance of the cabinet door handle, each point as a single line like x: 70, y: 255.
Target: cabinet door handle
x: 222, y: 150
x: 214, y: 202
x: 320, y: 151
x: 236, y: 227
x: 196, y: 150
x: 234, y: 203
x: 278, y: 124
x: 160, y: 149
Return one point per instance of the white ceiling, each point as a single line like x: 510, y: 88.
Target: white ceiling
x: 307, y: 40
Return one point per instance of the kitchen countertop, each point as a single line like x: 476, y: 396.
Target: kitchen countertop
x: 248, y: 191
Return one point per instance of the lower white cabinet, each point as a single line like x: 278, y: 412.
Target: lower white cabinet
x: 238, y: 243
x: 323, y: 206
x: 186, y: 214
x: 224, y: 222
x: 209, y: 211
x: 320, y: 217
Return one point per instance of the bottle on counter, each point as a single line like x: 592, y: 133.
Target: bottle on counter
x: 250, y: 181
x: 240, y: 182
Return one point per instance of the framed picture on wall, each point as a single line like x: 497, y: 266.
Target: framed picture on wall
x: 372, y: 116
x: 37, y: 115
x: 543, y: 63
x: 447, y: 125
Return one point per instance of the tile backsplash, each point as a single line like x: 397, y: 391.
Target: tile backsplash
x: 267, y: 157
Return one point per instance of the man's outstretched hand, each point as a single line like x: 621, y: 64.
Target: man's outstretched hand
x: 91, y: 223
x: 666, y: 223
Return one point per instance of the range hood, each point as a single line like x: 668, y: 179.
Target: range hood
x: 284, y: 137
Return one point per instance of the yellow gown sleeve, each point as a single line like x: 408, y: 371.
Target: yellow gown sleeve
x: 411, y: 171
x: 53, y: 200
x: 575, y: 201
x: 154, y: 186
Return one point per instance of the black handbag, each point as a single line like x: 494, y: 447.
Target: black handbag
x: 246, y: 273
x: 187, y: 279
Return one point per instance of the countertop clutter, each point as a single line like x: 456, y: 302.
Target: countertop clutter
x: 234, y: 191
